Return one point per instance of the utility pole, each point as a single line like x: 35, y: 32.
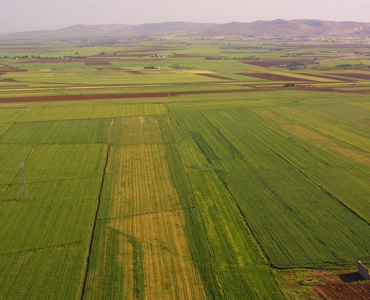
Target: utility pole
x: 23, y: 189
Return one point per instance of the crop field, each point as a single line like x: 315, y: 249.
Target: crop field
x: 207, y: 178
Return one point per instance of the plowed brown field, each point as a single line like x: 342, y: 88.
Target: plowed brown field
x: 120, y: 96
x: 344, y: 291
x: 164, y: 94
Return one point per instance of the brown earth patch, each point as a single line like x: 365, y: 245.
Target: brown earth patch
x: 213, y: 76
x: 12, y: 70
x: 336, y: 286
x: 344, y: 291
x: 273, y: 77
x: 122, y: 96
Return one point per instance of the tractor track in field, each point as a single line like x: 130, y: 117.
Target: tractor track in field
x: 88, y: 260
x: 41, y: 248
x: 148, y: 213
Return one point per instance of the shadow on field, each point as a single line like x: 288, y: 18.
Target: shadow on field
x: 351, y: 277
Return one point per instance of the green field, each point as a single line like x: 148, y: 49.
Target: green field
x: 179, y: 185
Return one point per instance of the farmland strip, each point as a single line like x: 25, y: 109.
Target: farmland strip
x: 222, y: 246
x: 94, y: 225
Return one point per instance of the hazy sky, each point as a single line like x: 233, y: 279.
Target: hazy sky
x: 25, y: 15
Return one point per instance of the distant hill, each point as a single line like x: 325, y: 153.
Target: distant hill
x: 290, y: 28
x: 259, y: 28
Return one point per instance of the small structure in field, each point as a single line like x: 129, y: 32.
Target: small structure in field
x: 363, y: 271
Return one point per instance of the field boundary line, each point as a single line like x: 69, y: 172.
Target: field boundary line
x: 335, y: 197
x: 88, y: 260
x: 260, y: 249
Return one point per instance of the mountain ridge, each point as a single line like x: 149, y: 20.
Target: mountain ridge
x: 278, y: 27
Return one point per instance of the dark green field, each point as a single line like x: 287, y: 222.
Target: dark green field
x: 224, y: 169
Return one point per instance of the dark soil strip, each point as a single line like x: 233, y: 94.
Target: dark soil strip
x: 165, y: 94
x: 94, y: 225
x: 15, y: 70
x: 122, y: 96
